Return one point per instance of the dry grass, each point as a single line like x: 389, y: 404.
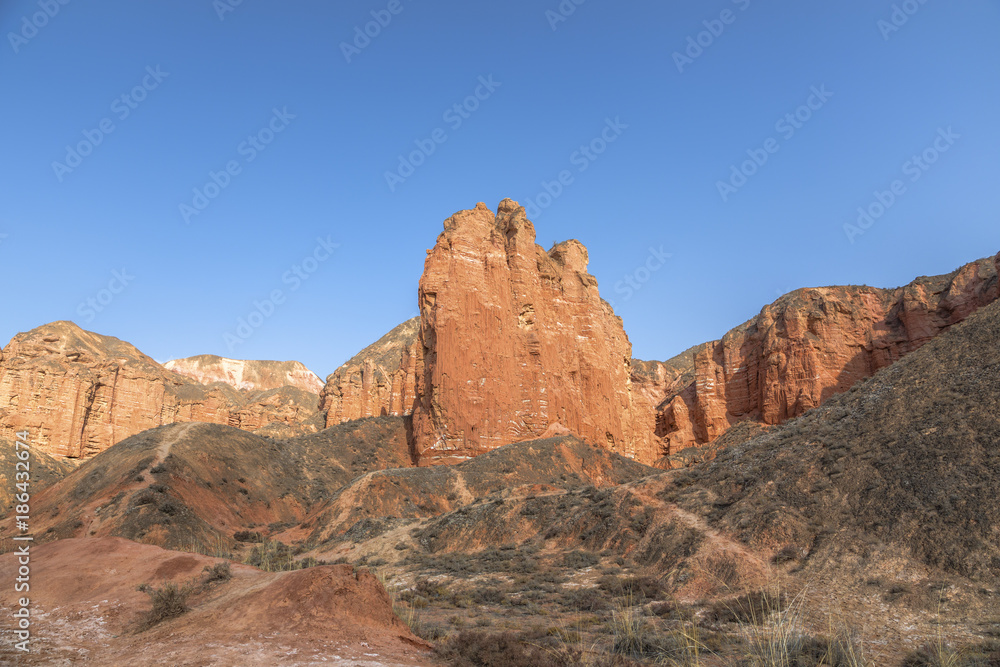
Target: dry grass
x: 772, y: 636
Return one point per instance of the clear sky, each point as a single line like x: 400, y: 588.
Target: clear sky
x: 116, y: 112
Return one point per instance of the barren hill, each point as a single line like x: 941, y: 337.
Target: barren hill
x: 43, y: 472
x: 195, y: 485
x: 526, y: 468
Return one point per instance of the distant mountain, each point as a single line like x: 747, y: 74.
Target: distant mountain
x: 247, y: 375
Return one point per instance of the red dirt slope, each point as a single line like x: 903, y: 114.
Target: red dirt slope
x: 86, y: 609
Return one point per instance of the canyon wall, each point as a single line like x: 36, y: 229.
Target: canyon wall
x: 807, y: 346
x: 379, y: 380
x: 77, y: 393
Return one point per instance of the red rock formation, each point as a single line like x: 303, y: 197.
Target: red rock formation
x: 809, y: 345
x: 378, y: 380
x: 77, y: 393
x: 514, y: 339
x: 247, y: 375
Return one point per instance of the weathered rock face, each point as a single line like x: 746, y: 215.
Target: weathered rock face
x: 514, y: 339
x: 78, y: 393
x: 247, y: 375
x: 809, y: 345
x: 379, y: 380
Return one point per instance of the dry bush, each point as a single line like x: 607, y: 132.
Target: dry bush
x: 218, y: 572
x: 168, y: 602
x: 479, y: 648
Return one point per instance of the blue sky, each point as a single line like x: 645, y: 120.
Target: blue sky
x: 189, y: 88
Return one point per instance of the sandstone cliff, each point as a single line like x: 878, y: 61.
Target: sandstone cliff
x: 247, y: 375
x: 804, y: 348
x: 514, y: 339
x: 379, y: 380
x: 78, y: 393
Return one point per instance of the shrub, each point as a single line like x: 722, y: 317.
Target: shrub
x: 752, y: 608
x: 579, y: 560
x: 940, y: 654
x: 272, y: 556
x: 585, y: 599
x: 640, y: 587
x: 479, y: 648
x: 168, y: 602
x: 786, y: 554
x: 631, y: 633
x: 218, y: 572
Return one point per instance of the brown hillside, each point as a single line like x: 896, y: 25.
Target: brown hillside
x: 193, y: 486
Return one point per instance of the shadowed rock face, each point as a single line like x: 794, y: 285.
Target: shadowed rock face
x: 514, y: 339
x: 247, y: 375
x: 804, y: 348
x: 380, y: 380
x: 77, y: 393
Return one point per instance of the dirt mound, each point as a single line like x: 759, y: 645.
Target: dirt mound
x: 85, y: 607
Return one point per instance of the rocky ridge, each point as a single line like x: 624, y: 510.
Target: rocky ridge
x: 804, y: 348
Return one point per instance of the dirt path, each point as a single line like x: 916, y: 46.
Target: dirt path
x: 714, y: 537
x: 162, y: 452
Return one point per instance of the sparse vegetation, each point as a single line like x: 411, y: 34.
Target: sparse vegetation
x: 533, y: 648
x: 276, y: 556
x: 168, y: 602
x: 218, y: 572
